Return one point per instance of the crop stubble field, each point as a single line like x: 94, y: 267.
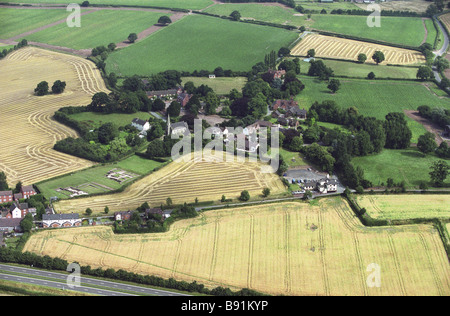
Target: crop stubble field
x: 340, y: 48
x: 288, y: 248
x: 28, y: 130
x: 183, y: 182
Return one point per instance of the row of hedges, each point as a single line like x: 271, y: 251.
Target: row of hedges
x: 15, y: 256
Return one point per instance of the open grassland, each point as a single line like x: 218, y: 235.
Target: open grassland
x: 375, y: 98
x: 354, y: 69
x: 409, y: 206
x: 399, y: 30
x: 288, y: 248
x: 18, y: 21
x: 98, y: 28
x: 181, y: 4
x: 220, y: 85
x: 199, y: 42
x: 206, y: 179
x: 96, y: 119
x: 403, y: 5
x: 27, y: 128
x: 260, y: 12
x: 97, y: 175
x: 407, y: 165
x: 313, y: 5
x: 340, y: 48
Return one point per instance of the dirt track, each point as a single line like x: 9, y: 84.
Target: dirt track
x: 429, y: 126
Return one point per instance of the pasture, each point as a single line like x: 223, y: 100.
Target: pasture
x: 407, y: 165
x: 96, y: 176
x: 19, y: 21
x: 28, y: 130
x: 409, y: 206
x: 98, y: 28
x: 340, y: 48
x: 96, y: 119
x: 204, y: 178
x: 399, y: 30
x: 281, y: 249
x: 199, y: 42
x: 375, y: 98
x: 181, y: 4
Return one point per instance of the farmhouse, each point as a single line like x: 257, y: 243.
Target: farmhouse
x: 141, y: 125
x: 6, y: 196
x: 297, y: 112
x: 323, y: 185
x: 276, y: 74
x: 164, y: 93
x: 61, y: 220
x: 177, y: 128
x: 284, y: 104
x: 123, y: 216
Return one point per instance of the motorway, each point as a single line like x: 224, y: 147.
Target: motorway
x: 87, y: 285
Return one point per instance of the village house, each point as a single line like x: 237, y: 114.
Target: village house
x: 141, y: 125
x: 27, y: 191
x: 10, y: 225
x: 61, y: 220
x: 323, y: 186
x: 297, y: 112
x: 183, y: 99
x: 159, y: 94
x: 123, y: 215
x: 178, y: 128
x: 284, y: 104
x: 276, y: 74
x: 6, y: 196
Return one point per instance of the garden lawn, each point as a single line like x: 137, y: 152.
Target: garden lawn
x: 181, y: 4
x: 398, y: 30
x: 260, y: 12
x: 407, y: 165
x: 374, y: 98
x: 199, y: 42
x: 96, y: 174
x: 354, y: 69
x: 18, y: 21
x: 220, y: 85
x: 95, y: 119
x: 98, y: 28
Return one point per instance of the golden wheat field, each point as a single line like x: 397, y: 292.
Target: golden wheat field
x: 445, y: 18
x: 291, y: 248
x: 183, y: 181
x: 27, y: 129
x: 406, y: 206
x: 334, y: 47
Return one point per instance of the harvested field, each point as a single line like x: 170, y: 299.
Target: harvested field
x: 406, y: 206
x: 27, y: 128
x: 339, y: 48
x: 183, y: 182
x: 288, y: 248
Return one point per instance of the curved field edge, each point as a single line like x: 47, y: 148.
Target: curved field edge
x: 290, y: 248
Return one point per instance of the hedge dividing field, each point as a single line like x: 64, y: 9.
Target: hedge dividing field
x: 199, y: 42
x: 281, y: 249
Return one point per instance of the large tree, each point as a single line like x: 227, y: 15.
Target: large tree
x: 165, y: 20
x: 132, y: 37
x: 107, y: 132
x: 334, y: 85
x: 3, y: 182
x: 398, y: 134
x: 427, y: 143
x: 439, y: 172
x: 58, y: 86
x: 424, y: 73
x: 42, y: 88
x: 378, y: 56
x: 235, y: 15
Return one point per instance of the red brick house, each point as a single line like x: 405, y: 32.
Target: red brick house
x: 276, y: 74
x: 183, y: 99
x: 27, y: 191
x: 284, y: 104
x: 6, y: 196
x: 123, y: 216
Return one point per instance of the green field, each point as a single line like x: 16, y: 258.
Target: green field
x: 353, y: 69
x: 134, y: 164
x: 181, y: 4
x: 314, y: 5
x: 18, y: 21
x: 199, y: 42
x: 95, y: 119
x: 98, y: 28
x: 260, y: 12
x: 220, y: 85
x: 374, y: 98
x: 407, y: 165
x: 399, y: 30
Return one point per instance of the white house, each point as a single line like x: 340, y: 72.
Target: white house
x: 141, y: 125
x: 15, y: 211
x: 61, y: 220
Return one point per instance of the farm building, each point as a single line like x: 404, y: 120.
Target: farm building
x: 164, y: 93
x: 323, y: 185
x: 61, y: 220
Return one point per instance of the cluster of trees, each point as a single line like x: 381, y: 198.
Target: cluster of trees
x: 120, y: 102
x: 43, y: 88
x: 21, y: 44
x: 439, y: 116
x: 9, y: 255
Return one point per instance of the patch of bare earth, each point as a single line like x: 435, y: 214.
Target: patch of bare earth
x: 429, y: 126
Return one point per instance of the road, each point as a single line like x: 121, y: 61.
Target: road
x: 443, y: 50
x: 88, y: 285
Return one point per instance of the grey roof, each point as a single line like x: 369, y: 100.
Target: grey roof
x: 139, y: 121
x: 3, y: 193
x: 178, y: 125
x: 27, y: 188
x: 55, y: 217
x: 10, y: 222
